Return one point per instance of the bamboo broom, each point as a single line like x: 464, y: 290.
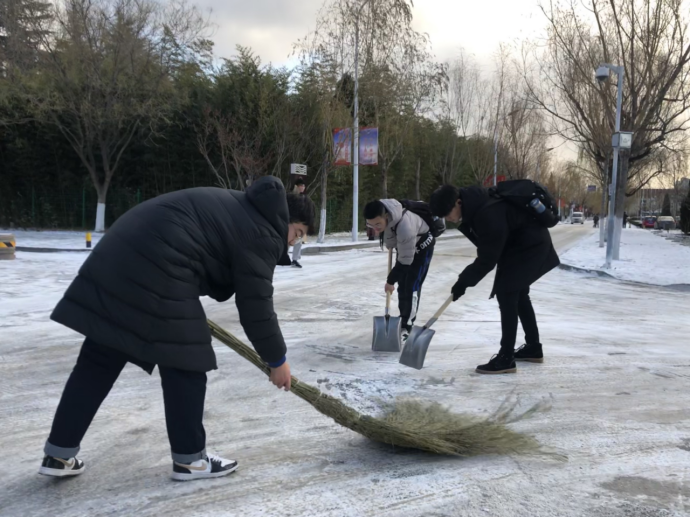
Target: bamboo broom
x: 410, y: 423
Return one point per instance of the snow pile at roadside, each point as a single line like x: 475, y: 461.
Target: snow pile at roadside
x: 645, y: 257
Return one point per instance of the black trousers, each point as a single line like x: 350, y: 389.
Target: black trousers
x: 514, y: 305
x: 410, y: 286
x: 94, y: 375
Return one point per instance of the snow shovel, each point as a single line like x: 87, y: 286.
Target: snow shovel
x: 387, y: 328
x: 417, y: 343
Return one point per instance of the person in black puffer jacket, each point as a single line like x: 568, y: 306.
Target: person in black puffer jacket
x: 136, y: 300
x: 510, y: 238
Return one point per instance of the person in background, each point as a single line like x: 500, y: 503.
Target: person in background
x: 625, y: 219
x: 410, y: 236
x: 596, y: 221
x: 136, y: 300
x: 298, y: 190
x: 510, y: 238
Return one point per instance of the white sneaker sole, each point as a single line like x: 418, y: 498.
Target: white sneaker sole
x: 52, y: 472
x: 186, y: 477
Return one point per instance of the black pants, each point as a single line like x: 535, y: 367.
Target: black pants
x: 94, y: 375
x: 514, y: 305
x: 410, y: 286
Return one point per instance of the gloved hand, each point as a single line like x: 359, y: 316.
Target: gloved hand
x: 458, y: 290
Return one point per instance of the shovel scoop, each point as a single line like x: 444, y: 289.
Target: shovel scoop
x: 417, y: 343
x: 386, y: 332
x: 387, y: 328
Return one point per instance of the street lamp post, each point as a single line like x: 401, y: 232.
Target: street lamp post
x: 355, y: 136
x: 602, y: 74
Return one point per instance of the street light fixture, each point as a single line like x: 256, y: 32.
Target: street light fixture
x: 602, y: 74
x: 547, y: 150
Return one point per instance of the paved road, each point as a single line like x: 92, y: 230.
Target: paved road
x: 617, y: 372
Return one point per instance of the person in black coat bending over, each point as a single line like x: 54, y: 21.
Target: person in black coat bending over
x: 136, y: 300
x: 507, y: 236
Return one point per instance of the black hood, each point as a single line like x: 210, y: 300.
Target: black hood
x: 268, y: 196
x: 472, y: 198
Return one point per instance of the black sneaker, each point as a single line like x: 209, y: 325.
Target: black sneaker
x: 211, y: 466
x: 405, y: 333
x: 499, y: 364
x: 54, y: 467
x: 529, y: 353
x: 295, y: 264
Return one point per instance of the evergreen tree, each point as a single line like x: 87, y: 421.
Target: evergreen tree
x: 666, y: 207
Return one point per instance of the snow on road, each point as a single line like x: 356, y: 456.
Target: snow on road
x: 645, y: 256
x: 617, y: 372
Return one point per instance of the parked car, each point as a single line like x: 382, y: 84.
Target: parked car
x: 649, y: 222
x: 577, y: 217
x: 665, y: 223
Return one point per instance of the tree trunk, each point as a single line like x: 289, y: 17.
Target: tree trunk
x: 102, y: 191
x: 604, y: 202
x: 324, y: 199
x: 384, y: 180
x: 418, y: 196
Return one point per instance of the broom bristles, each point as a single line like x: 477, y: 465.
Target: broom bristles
x: 409, y: 423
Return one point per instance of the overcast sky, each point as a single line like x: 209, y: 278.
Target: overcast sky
x: 270, y: 27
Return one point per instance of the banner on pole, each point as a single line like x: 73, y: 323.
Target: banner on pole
x: 369, y: 146
x: 342, y: 146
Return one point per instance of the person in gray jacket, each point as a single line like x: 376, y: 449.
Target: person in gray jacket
x: 410, y: 236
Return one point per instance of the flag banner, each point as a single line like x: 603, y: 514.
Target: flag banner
x: 342, y: 146
x: 369, y: 146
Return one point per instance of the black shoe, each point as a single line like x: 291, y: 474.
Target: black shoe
x: 211, y: 466
x: 54, y: 467
x: 529, y: 353
x: 499, y: 364
x: 295, y: 264
x: 405, y: 333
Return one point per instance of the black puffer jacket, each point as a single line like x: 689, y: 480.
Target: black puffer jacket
x: 139, y: 290
x: 505, y: 236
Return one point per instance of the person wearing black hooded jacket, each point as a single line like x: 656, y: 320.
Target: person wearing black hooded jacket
x: 510, y: 238
x: 136, y: 300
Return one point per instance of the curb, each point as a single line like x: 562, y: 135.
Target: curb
x: 604, y: 275
x: 314, y: 250
x: 43, y: 250
x: 311, y: 250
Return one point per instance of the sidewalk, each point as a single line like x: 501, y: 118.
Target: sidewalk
x: 49, y: 241
x: 646, y: 257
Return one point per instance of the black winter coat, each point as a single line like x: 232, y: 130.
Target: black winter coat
x: 506, y: 236
x: 139, y: 290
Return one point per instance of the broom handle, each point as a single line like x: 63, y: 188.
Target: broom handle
x: 390, y: 267
x: 244, y: 351
x: 440, y: 311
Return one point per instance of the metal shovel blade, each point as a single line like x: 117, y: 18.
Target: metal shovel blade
x: 416, y: 345
x: 386, y: 334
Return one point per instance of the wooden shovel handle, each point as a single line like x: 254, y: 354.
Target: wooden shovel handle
x: 390, y: 267
x: 440, y: 311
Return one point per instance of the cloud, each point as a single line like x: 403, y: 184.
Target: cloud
x: 269, y: 27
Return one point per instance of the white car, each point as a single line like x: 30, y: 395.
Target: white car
x: 577, y: 217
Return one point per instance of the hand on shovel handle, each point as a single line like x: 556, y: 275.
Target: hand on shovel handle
x: 389, y: 288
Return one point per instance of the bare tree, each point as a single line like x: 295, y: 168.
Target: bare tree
x: 104, y: 76
x: 649, y: 39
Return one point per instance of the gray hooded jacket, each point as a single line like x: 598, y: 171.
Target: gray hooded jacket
x: 402, y: 232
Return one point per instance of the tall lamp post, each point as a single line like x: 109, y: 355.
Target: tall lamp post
x: 619, y: 140
x: 547, y: 150
x: 355, y: 139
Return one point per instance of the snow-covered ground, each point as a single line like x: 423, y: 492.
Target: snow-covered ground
x: 617, y: 372
x: 645, y: 256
